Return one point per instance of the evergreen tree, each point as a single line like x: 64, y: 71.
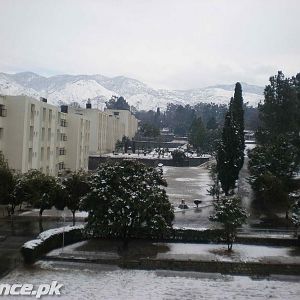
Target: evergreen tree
x: 280, y: 111
x: 230, y: 155
x: 197, y: 134
x: 212, y: 123
x: 274, y: 161
x: 237, y: 112
x: 126, y: 200
x: 227, y: 159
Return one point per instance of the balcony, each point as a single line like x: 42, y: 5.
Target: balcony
x: 3, y: 111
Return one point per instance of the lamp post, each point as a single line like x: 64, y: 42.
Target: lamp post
x: 63, y: 234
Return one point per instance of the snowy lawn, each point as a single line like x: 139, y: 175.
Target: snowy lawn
x: 88, y: 281
x: 183, y: 251
x: 240, y: 252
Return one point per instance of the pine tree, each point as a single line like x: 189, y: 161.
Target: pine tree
x: 227, y: 159
x: 237, y: 111
x: 276, y: 158
x: 230, y: 155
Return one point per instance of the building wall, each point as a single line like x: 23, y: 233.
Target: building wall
x: 36, y: 135
x: 78, y: 145
x: 107, y: 127
x: 130, y: 123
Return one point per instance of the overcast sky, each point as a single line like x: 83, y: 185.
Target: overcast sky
x: 175, y: 44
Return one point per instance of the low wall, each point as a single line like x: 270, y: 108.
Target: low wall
x: 223, y: 267
x: 95, y: 161
x: 50, y: 240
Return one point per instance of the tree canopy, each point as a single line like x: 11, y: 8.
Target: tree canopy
x: 126, y: 200
x: 197, y: 134
x: 76, y: 186
x: 231, y: 216
x: 230, y: 154
x: 40, y: 190
x: 277, y: 156
x: 8, y: 181
x: 117, y: 103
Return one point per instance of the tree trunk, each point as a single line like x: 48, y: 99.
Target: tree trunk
x: 12, y: 209
x: 41, y: 212
x: 73, y: 212
x: 41, y: 225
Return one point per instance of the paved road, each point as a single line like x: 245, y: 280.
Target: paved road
x: 14, y: 234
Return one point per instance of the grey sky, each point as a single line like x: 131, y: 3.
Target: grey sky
x: 175, y: 44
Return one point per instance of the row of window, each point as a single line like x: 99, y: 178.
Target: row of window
x: 59, y: 151
x: 49, y: 116
x: 60, y: 136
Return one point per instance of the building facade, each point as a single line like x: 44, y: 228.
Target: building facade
x: 37, y: 135
x: 107, y: 127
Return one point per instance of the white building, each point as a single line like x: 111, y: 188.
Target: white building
x: 107, y: 127
x: 36, y: 135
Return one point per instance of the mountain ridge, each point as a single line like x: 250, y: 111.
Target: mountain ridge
x: 98, y: 88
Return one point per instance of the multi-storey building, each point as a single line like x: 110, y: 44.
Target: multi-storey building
x: 107, y: 127
x: 37, y: 135
x: 130, y: 123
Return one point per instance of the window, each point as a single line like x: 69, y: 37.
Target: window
x: 116, y: 113
x: 63, y: 137
x: 48, y: 153
x: 50, y: 116
x: 1, y: 134
x: 43, y: 134
x: 32, y: 107
x: 49, y: 134
x: 61, y: 166
x: 63, y: 123
x: 42, y: 153
x: 3, y: 111
x: 30, y: 154
x: 44, y: 114
x: 31, y: 133
x: 62, y: 151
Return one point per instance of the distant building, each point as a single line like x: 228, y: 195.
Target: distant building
x: 249, y: 136
x: 126, y: 118
x: 107, y: 127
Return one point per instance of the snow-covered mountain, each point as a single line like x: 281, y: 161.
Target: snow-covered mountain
x: 79, y: 88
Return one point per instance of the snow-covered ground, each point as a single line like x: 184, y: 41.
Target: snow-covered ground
x: 240, y: 252
x: 151, y: 155
x: 84, y: 281
x: 185, y: 251
x: 189, y: 184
